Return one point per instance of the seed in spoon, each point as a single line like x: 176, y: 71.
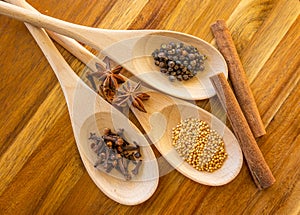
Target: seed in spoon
x: 113, y: 151
x: 200, y: 146
x: 179, y: 61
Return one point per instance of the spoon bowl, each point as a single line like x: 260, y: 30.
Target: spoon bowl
x: 89, y: 113
x: 141, y: 186
x: 164, y: 113
x: 132, y: 49
x: 95, y: 123
x: 198, y: 87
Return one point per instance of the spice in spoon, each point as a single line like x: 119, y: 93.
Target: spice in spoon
x: 111, y: 85
x: 129, y: 94
x: 200, y: 146
x: 179, y: 61
x: 114, y: 152
x: 109, y: 79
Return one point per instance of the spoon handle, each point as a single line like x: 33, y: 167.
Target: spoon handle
x: 73, y: 87
x: 97, y: 38
x: 68, y: 43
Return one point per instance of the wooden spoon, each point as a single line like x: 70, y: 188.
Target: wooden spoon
x: 164, y: 113
x: 90, y: 113
x: 132, y: 49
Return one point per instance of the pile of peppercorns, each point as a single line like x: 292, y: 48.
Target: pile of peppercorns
x: 114, y: 152
x: 178, y: 61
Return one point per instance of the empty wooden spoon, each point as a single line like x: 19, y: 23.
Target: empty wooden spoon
x: 132, y: 49
x: 90, y: 113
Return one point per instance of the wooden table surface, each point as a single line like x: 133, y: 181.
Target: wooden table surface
x: 40, y: 169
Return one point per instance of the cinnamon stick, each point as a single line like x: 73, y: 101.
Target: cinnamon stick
x: 238, y: 77
x: 258, y: 167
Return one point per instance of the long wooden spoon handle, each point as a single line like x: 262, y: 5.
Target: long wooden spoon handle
x: 68, y: 43
x: 73, y: 87
x: 84, y: 34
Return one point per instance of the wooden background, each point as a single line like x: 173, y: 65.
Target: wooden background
x: 40, y: 169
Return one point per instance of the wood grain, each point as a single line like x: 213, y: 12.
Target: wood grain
x: 40, y: 169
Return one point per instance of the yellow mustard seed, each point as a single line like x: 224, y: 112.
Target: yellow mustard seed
x: 198, y: 145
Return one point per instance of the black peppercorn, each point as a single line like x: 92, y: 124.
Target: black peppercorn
x: 172, y: 78
x: 161, y: 64
x: 171, y: 63
x: 191, y: 56
x: 179, y: 61
x: 161, y: 54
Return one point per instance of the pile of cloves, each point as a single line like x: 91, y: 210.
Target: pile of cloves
x: 113, y: 151
x: 178, y: 61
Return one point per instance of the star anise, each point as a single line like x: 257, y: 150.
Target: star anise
x: 109, y: 79
x: 129, y: 94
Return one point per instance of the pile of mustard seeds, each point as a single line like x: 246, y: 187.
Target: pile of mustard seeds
x: 200, y: 146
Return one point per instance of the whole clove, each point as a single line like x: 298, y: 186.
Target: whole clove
x: 109, y: 167
x: 135, y: 171
x: 125, y: 163
x: 107, y: 156
x: 98, y: 161
x: 121, y: 166
x: 109, y: 138
x: 95, y: 138
x: 114, y: 152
